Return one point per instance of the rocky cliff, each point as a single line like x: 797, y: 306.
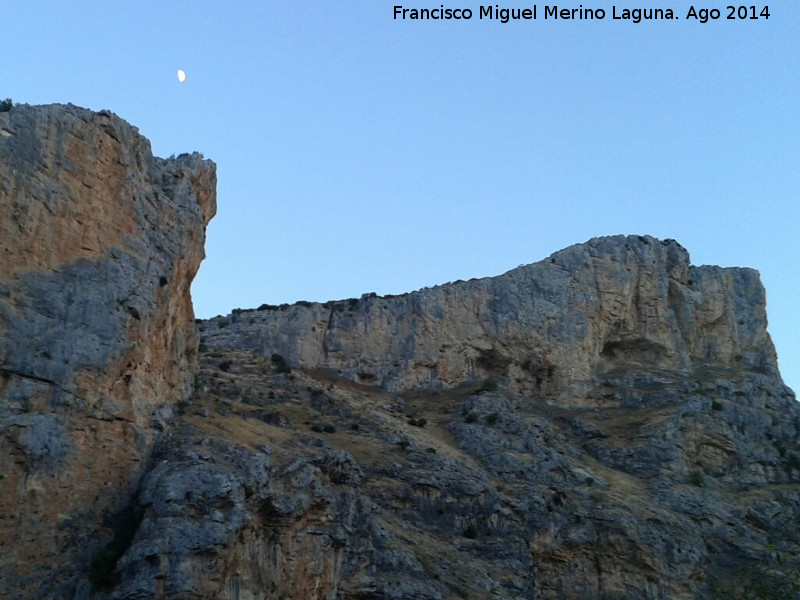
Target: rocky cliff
x: 606, y: 423
x: 99, y: 243
x: 553, y: 326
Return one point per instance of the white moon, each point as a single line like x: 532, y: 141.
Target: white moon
x: 181, y: 75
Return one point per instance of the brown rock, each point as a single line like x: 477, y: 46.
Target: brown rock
x: 99, y: 243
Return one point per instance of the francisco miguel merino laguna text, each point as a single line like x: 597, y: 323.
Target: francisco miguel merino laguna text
x: 504, y: 15
x: 635, y: 15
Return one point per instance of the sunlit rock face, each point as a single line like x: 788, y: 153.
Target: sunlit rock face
x: 554, y: 326
x: 99, y: 242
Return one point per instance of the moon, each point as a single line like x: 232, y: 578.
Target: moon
x: 181, y: 76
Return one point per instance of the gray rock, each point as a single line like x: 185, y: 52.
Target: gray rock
x: 99, y: 243
x: 548, y: 328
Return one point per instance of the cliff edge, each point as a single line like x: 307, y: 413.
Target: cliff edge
x: 552, y: 327
x: 99, y: 242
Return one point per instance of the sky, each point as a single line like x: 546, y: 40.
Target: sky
x: 360, y: 153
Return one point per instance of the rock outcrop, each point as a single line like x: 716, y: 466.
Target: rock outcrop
x: 548, y: 327
x: 99, y: 242
x: 607, y: 423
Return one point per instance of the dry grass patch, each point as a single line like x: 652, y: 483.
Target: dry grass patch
x: 249, y: 433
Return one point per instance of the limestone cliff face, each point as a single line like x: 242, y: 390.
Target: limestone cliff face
x: 552, y: 327
x: 607, y: 423
x: 99, y: 242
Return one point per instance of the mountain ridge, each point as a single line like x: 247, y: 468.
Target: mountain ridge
x: 548, y: 299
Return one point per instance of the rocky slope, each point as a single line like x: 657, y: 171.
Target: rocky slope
x: 281, y: 482
x: 99, y: 243
x: 607, y: 423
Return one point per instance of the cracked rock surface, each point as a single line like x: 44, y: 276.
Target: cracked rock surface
x: 547, y: 328
x: 306, y: 485
x: 99, y: 242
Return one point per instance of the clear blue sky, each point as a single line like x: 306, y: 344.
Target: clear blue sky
x: 360, y: 153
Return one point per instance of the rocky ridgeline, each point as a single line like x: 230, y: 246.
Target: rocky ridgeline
x: 99, y: 243
x: 553, y: 327
x: 606, y: 423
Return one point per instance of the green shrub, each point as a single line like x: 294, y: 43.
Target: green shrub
x: 225, y: 366
x: 696, y: 478
x: 471, y: 418
x: 489, y: 385
x: 6, y: 105
x: 470, y: 532
x: 320, y: 427
x: 491, y: 419
x: 280, y: 364
x: 716, y: 405
x: 793, y: 462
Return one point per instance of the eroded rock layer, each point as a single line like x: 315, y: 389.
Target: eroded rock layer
x: 551, y: 326
x: 99, y: 242
x: 300, y: 484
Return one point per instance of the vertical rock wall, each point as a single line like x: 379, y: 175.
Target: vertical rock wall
x: 552, y: 327
x: 99, y: 243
